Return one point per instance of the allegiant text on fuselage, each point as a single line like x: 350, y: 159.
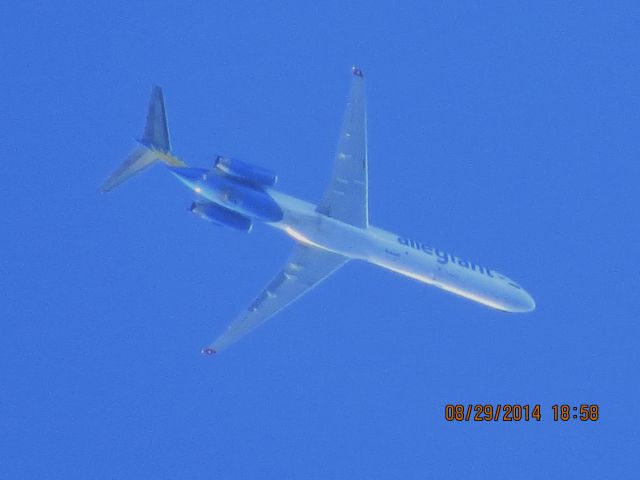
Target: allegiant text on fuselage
x: 445, y: 257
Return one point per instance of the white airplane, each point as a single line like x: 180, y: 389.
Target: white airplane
x: 327, y: 235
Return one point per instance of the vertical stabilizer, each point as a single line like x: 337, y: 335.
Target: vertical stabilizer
x: 154, y: 145
x: 156, y: 131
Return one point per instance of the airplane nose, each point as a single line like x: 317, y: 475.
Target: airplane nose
x: 526, y: 303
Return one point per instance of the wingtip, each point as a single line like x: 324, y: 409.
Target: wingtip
x: 357, y: 72
x: 105, y: 187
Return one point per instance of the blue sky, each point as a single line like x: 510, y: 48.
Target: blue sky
x: 504, y: 132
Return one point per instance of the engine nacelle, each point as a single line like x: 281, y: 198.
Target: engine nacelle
x: 245, y: 171
x: 221, y: 216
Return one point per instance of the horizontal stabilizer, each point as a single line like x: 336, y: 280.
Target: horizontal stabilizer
x: 138, y: 160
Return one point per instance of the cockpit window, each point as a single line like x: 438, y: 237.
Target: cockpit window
x: 515, y: 285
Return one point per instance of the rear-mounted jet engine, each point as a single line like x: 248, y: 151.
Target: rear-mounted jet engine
x: 244, y: 171
x: 221, y: 216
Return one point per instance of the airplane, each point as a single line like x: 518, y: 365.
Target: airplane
x: 328, y: 235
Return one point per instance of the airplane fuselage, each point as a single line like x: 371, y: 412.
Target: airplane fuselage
x: 417, y: 260
x: 237, y: 194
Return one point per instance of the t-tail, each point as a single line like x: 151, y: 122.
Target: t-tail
x: 154, y: 146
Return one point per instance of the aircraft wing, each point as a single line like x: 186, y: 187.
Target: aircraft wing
x: 305, y: 268
x: 346, y: 199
